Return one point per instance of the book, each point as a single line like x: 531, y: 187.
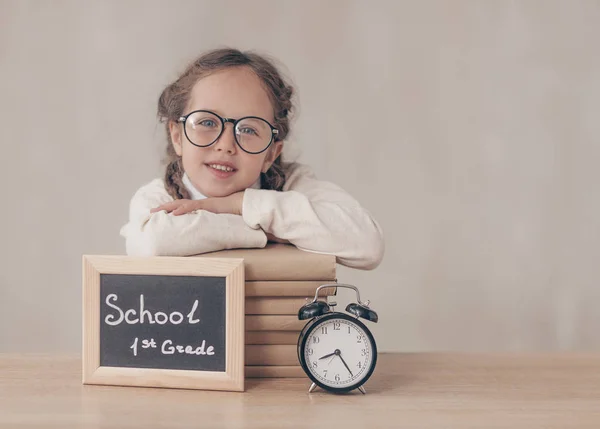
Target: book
x: 277, y: 261
x: 272, y: 337
x: 287, y: 371
x: 267, y: 355
x: 277, y: 305
x: 298, y: 288
x: 268, y: 322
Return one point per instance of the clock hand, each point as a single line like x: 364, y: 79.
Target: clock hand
x: 344, y: 362
x: 326, y: 356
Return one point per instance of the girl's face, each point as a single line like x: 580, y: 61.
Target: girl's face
x: 231, y: 93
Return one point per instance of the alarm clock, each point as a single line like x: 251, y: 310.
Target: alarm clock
x: 336, y: 350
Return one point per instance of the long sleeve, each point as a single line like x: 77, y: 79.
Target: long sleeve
x: 163, y: 234
x: 317, y: 216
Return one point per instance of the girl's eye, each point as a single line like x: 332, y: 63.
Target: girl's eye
x: 208, y: 123
x: 249, y: 131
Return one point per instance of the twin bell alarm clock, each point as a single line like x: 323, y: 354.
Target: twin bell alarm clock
x: 336, y: 350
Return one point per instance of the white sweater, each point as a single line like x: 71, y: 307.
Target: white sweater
x: 314, y: 215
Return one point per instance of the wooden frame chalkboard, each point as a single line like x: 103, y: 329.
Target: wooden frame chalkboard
x: 164, y: 280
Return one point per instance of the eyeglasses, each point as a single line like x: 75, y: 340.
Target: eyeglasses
x: 252, y: 134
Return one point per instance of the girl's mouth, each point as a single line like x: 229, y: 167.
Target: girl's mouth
x: 221, y: 171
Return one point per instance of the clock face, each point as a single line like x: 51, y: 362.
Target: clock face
x: 338, y: 352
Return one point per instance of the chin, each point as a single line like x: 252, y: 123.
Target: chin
x: 216, y: 189
x: 221, y: 192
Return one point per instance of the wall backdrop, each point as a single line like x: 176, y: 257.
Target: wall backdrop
x: 468, y: 128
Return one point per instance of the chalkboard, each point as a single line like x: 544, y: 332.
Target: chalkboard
x: 163, y: 322
x: 152, y: 321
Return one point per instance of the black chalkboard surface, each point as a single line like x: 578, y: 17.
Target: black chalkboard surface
x: 153, y: 321
x: 163, y: 322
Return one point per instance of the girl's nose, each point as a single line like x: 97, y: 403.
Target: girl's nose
x: 227, y: 141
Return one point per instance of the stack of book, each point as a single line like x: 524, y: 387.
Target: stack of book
x: 279, y: 280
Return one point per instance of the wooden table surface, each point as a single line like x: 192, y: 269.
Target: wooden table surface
x: 406, y: 391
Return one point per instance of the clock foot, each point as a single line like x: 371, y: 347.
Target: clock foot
x: 312, y: 387
x: 362, y: 389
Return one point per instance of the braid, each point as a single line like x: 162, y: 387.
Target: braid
x: 173, y: 180
x: 274, y: 178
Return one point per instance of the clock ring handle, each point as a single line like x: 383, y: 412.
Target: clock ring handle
x: 366, y: 304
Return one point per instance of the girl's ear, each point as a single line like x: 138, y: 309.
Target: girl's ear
x: 272, y: 155
x: 176, y: 134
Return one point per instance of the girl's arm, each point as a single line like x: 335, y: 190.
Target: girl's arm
x: 164, y: 234
x: 316, y: 216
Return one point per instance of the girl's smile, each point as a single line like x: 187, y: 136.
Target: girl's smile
x: 221, y: 170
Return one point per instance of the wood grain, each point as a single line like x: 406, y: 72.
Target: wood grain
x: 272, y: 337
x: 268, y: 322
x: 278, y: 355
x: 298, y: 288
x: 281, y: 262
x: 271, y: 371
x: 274, y: 305
x: 447, y: 391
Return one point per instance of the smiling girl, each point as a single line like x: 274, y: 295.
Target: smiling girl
x: 225, y: 184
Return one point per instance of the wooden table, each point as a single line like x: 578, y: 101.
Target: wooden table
x: 406, y: 391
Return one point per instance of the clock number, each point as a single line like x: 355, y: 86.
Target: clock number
x: 348, y: 329
x: 337, y: 377
x: 323, y: 329
x: 363, y: 352
x: 336, y: 326
x: 315, y: 364
x: 358, y: 339
x: 359, y: 364
x: 325, y: 372
x: 316, y: 340
x: 310, y: 352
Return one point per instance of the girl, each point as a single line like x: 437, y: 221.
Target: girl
x: 226, y: 186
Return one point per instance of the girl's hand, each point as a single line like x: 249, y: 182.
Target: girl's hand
x: 229, y: 204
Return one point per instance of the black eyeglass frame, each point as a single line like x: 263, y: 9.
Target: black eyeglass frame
x: 183, y: 120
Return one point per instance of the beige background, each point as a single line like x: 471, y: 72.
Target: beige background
x: 469, y: 129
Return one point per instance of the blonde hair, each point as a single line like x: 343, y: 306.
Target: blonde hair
x: 175, y: 97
